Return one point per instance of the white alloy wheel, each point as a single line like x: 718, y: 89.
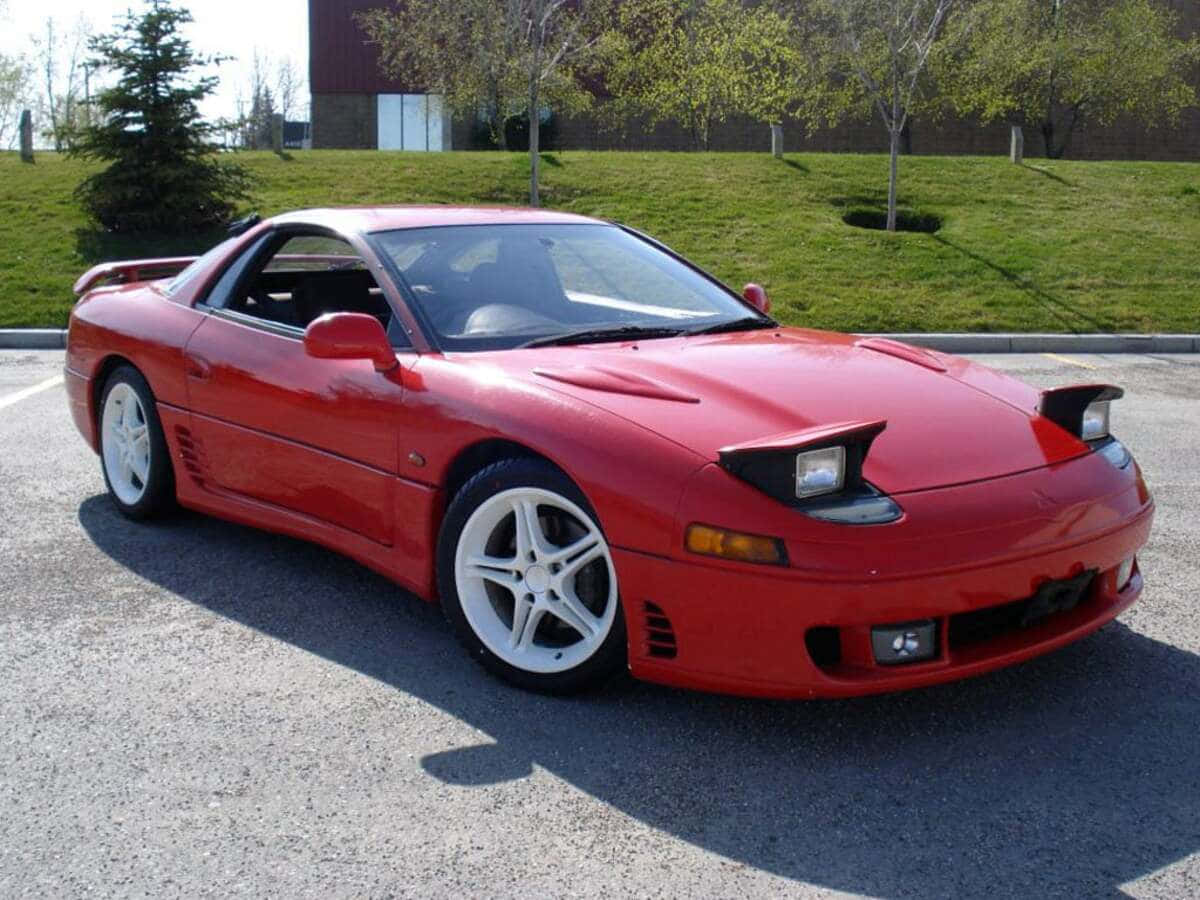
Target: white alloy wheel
x: 125, y: 443
x: 535, y: 580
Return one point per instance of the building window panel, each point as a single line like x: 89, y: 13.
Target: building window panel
x: 411, y: 122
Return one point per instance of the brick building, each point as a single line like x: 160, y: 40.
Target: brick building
x: 355, y: 106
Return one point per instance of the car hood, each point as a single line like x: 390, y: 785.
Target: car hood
x: 949, y: 421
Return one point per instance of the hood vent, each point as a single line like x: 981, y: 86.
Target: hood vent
x: 905, y: 352
x: 616, y: 381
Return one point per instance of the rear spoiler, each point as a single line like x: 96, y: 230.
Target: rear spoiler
x: 130, y: 271
x: 150, y: 269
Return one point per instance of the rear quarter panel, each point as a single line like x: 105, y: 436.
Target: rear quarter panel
x: 136, y: 323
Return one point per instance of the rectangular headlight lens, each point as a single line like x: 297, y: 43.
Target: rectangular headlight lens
x: 820, y: 471
x: 1095, y: 421
x: 1124, y: 574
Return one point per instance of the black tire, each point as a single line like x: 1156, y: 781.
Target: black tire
x: 158, y: 494
x: 612, y: 654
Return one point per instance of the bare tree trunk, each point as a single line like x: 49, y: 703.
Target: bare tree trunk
x: 496, y: 120
x: 535, y: 119
x: 892, y: 176
x: 1053, y: 151
x: 535, y: 125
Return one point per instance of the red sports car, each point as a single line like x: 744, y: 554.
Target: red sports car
x: 595, y: 455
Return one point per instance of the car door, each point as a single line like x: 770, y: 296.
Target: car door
x: 274, y: 425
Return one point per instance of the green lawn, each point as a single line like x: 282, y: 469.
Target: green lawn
x: 1056, y: 246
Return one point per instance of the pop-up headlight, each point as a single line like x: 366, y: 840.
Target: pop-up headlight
x: 1082, y: 410
x: 818, y: 472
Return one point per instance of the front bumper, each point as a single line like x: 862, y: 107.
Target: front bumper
x: 750, y: 630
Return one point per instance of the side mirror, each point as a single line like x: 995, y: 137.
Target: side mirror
x: 757, y: 297
x: 347, y: 335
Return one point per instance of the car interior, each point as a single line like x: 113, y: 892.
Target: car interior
x: 309, y: 277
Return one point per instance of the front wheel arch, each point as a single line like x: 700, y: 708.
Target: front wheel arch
x: 607, y: 649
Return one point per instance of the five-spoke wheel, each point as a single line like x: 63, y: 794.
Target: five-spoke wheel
x: 133, y: 452
x: 528, y: 579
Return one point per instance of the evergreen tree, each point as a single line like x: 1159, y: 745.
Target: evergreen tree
x: 163, y: 173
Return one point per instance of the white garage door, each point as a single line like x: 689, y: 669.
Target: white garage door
x: 412, y: 122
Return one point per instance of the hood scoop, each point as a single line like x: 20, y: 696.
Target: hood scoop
x: 906, y: 352
x: 616, y: 381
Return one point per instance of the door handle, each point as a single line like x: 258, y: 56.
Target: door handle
x: 197, y: 366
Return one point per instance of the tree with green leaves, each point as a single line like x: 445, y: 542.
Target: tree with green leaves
x: 163, y: 172
x: 677, y: 61
x: 506, y: 57
x: 1058, y: 64
x: 15, y: 90
x: 878, y: 59
x: 698, y: 62
x: 14, y: 94
x: 778, y: 64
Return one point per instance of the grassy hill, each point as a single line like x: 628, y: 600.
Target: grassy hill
x: 1055, y: 246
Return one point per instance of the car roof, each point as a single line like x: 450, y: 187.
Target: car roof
x: 367, y: 219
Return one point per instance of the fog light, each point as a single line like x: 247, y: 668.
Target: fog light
x: 1124, y: 574
x: 751, y: 548
x: 907, y: 643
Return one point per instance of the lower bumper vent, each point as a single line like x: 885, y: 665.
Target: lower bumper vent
x: 660, y: 634
x: 1051, y: 599
x: 824, y: 645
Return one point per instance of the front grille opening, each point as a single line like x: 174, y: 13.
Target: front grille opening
x: 660, y: 635
x: 824, y: 645
x: 982, y: 625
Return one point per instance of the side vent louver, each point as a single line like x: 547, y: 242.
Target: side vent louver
x: 190, y: 454
x: 660, y: 635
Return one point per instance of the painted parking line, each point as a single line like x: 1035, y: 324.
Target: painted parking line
x: 1070, y: 361
x: 12, y: 399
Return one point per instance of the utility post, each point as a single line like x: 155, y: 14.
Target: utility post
x: 26, y: 128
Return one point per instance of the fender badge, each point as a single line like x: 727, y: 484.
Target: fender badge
x: 1044, y: 500
x: 416, y: 458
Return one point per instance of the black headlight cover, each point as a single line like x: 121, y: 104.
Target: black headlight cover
x: 1065, y: 406
x: 770, y: 466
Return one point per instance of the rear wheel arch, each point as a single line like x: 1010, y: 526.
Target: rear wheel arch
x: 104, y: 370
x: 128, y: 429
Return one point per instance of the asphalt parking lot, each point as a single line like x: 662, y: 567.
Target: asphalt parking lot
x: 195, y: 708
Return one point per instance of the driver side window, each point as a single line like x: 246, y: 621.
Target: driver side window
x: 304, y: 278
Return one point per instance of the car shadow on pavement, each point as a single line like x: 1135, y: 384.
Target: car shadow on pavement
x: 1071, y: 774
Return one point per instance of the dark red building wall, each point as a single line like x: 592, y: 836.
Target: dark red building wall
x: 345, y: 77
x: 340, y: 61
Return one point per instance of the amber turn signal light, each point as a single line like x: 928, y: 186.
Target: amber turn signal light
x: 752, y: 548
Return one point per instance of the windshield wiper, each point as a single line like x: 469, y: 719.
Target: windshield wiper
x: 596, y: 335
x: 747, y: 324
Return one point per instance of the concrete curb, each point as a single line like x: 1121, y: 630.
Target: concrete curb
x: 1053, y: 343
x: 33, y: 338
x: 56, y: 339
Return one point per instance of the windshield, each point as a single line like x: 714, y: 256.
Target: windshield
x: 502, y: 286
